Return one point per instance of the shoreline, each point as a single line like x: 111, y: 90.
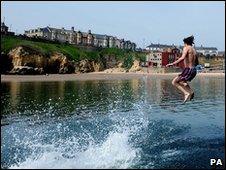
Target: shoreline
x: 95, y: 76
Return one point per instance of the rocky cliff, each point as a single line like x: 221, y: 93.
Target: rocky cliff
x: 22, y: 60
x: 136, y: 67
x: 27, y: 61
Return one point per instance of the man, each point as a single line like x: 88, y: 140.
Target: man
x: 189, y: 72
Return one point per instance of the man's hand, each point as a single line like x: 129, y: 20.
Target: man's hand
x: 171, y: 64
x: 184, y: 54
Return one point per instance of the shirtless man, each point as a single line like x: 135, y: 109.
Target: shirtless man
x: 189, y: 72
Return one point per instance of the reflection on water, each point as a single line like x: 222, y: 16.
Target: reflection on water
x: 137, y: 123
x: 158, y: 91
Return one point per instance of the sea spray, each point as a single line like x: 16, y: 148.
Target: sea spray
x: 114, y: 152
x: 83, y: 149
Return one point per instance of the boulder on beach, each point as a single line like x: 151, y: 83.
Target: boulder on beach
x: 118, y: 69
x: 26, y: 70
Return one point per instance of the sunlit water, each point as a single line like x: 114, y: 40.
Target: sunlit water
x: 138, y: 123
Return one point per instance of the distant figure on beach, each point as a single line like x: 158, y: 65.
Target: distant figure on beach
x: 189, y: 72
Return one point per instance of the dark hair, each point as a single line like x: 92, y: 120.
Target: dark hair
x: 189, y: 40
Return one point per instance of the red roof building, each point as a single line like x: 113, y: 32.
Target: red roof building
x: 161, y: 59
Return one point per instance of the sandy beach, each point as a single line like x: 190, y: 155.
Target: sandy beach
x: 94, y: 76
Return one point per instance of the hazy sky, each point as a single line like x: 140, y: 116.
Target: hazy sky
x: 140, y: 22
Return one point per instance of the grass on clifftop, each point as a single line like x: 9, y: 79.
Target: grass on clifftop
x: 46, y: 49
x: 74, y: 53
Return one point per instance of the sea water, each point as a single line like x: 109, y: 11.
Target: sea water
x: 136, y: 123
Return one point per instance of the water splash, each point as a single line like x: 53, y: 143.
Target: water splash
x: 84, y: 150
x: 115, y: 152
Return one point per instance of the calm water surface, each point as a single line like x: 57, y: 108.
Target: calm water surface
x: 137, y: 123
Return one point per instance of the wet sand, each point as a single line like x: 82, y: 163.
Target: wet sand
x: 95, y: 76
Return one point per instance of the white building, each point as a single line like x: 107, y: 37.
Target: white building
x: 159, y: 47
x: 154, y: 58
x: 80, y: 38
x: 207, y: 50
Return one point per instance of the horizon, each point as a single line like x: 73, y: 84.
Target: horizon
x: 159, y: 22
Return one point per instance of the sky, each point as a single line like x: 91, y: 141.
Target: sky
x: 142, y: 22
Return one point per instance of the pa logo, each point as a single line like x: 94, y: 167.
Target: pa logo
x: 215, y: 162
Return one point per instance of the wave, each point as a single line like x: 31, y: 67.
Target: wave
x: 115, y: 152
x: 82, y: 148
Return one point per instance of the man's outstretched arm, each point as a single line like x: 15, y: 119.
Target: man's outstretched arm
x: 185, y: 51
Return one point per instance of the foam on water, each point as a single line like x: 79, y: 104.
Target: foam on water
x: 115, y: 151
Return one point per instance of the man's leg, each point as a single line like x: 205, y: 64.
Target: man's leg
x: 188, y: 88
x: 186, y: 92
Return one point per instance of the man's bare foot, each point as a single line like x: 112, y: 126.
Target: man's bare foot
x: 187, y: 97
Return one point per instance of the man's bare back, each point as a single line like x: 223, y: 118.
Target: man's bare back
x: 190, y: 56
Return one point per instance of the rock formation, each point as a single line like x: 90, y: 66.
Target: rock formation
x: 97, y: 66
x: 85, y: 66
x: 118, y: 69
x: 59, y: 63
x: 6, y: 63
x: 136, y: 67
x: 24, y: 60
x: 110, y: 61
x: 22, y: 70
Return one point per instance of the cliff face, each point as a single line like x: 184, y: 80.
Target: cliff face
x: 136, y: 67
x: 21, y: 56
x: 6, y: 63
x: 59, y: 63
x: 23, y: 60
x: 26, y: 61
x: 118, y: 69
x: 110, y: 61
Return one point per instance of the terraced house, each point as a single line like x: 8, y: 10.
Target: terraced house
x: 80, y: 38
x: 5, y: 30
x: 212, y: 51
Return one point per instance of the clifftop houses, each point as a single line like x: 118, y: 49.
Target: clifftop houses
x: 202, y: 50
x: 100, y: 40
x: 80, y: 38
x: 5, y: 30
x: 207, y: 50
